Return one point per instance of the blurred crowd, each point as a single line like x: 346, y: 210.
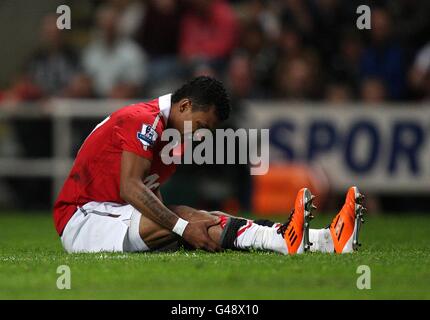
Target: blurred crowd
x: 262, y: 49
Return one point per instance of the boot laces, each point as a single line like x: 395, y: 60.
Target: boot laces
x: 283, y: 228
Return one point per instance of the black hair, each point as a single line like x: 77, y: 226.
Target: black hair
x: 205, y: 92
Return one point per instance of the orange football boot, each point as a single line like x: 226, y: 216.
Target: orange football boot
x: 345, y: 227
x: 296, y: 230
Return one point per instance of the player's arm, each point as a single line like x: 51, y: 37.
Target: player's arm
x: 157, y: 192
x: 133, y: 171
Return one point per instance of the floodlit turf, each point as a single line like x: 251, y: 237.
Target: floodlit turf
x: 396, y: 248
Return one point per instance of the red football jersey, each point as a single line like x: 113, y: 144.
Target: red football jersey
x: 95, y: 175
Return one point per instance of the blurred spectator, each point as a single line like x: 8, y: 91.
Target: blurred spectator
x: 80, y: 86
x: 240, y: 79
x: 264, y: 13
x: 158, y: 35
x: 159, y: 30
x: 297, y: 13
x: 261, y: 56
x: 327, y: 16
x: 208, y: 32
x: 297, y: 79
x: 252, y: 39
x: 345, y: 63
x: 49, y: 69
x: 116, y: 65
x: 384, y: 58
x: 420, y: 73
x: 290, y: 43
x: 204, y: 70
x: 412, y: 21
x: 373, y: 91
x: 338, y: 93
x: 263, y: 48
x: 130, y: 15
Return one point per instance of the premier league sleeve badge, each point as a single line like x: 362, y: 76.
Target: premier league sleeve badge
x: 147, y: 136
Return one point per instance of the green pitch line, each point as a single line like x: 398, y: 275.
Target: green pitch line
x: 396, y: 248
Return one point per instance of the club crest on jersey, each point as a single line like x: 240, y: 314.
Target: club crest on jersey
x: 147, y: 136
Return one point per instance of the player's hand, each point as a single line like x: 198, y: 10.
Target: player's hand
x: 221, y: 214
x: 196, y: 234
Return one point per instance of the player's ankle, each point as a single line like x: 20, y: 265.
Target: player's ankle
x: 231, y: 227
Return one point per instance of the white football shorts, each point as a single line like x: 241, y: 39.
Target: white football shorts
x: 103, y: 227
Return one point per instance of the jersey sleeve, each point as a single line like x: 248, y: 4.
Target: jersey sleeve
x: 138, y: 133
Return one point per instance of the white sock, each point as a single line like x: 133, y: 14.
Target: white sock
x: 321, y: 240
x: 259, y: 237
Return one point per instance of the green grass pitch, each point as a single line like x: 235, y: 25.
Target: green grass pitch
x: 396, y: 248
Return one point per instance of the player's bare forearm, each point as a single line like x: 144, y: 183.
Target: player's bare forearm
x: 157, y: 192
x: 150, y: 206
x: 133, y: 170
